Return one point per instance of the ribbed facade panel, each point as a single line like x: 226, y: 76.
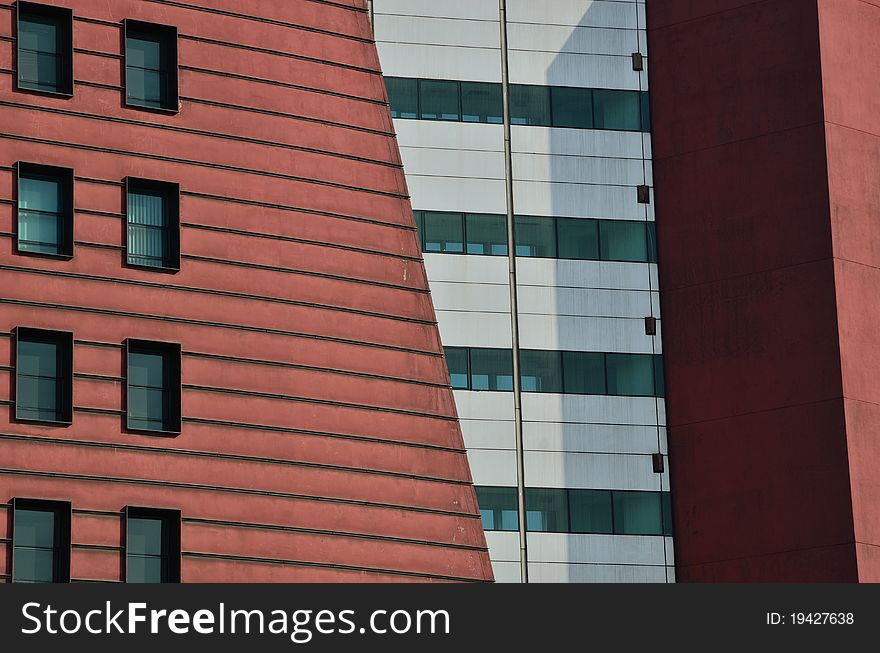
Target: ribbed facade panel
x: 319, y: 439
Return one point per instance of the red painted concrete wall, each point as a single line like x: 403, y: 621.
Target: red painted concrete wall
x: 769, y: 336
x: 849, y: 35
x: 320, y: 440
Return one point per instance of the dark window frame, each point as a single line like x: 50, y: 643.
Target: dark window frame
x: 64, y: 17
x: 67, y: 178
x: 172, y: 192
x: 171, y: 519
x: 169, y: 36
x: 65, y: 368
x: 63, y: 518
x: 172, y: 384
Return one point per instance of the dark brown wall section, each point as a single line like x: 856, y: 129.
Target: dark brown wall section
x: 320, y: 440
x: 765, y: 139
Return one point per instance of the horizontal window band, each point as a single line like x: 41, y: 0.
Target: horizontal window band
x: 200, y: 164
x: 327, y: 565
x: 214, y: 325
x: 199, y: 132
x: 90, y: 444
x: 218, y: 293
x: 230, y: 490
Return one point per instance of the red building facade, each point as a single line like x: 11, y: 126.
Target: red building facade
x: 767, y: 156
x: 315, y: 437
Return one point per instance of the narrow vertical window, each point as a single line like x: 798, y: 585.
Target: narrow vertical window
x: 40, y: 541
x: 153, y: 381
x: 153, y: 224
x: 45, y: 210
x: 151, y: 65
x: 152, y: 545
x: 45, y: 48
x: 43, y: 376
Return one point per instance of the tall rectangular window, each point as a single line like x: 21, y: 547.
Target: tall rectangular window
x: 153, y: 380
x: 43, y: 376
x: 498, y: 508
x: 457, y: 362
x: 153, y: 238
x: 40, y: 541
x: 151, y: 65
x: 152, y: 545
x: 403, y: 96
x: 45, y: 48
x: 439, y: 100
x: 486, y: 234
x: 45, y: 210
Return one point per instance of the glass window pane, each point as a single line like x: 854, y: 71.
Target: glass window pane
x: 659, y: 378
x: 403, y: 96
x: 541, y: 371
x: 572, y: 107
x: 498, y: 508
x: 652, y: 243
x: 39, y: 53
x: 37, y: 398
x: 146, y: 569
x: 535, y: 237
x: 530, y: 105
x: 38, y: 357
x: 486, y: 234
x: 145, y: 87
x: 637, y: 513
x: 481, y: 102
x: 142, y: 52
x: 646, y: 111
x: 578, y: 239
x: 618, y: 110
x: 457, y: 361
x: 40, y: 232
x: 33, y: 565
x: 145, y: 536
x: 590, y: 511
x: 146, y: 369
x: 40, y: 193
x: 492, y: 369
x: 623, y: 240
x: 583, y: 372
x: 438, y: 100
x: 547, y: 510
x: 444, y: 232
x: 34, y: 528
x: 630, y: 375
x: 666, y: 509
x: 146, y: 406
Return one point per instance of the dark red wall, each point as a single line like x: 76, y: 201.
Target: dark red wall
x: 320, y: 440
x: 756, y: 297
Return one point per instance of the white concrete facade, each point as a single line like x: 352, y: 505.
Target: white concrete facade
x: 571, y: 441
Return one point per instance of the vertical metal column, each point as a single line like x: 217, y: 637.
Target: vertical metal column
x: 514, y: 308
